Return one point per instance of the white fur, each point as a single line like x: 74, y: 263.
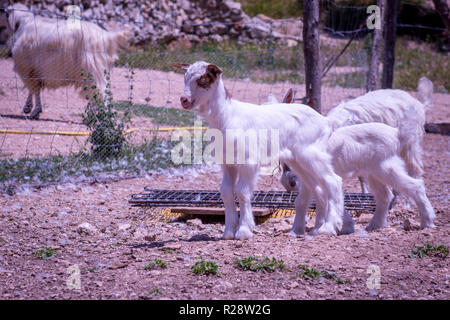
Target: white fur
x: 303, y: 135
x: 390, y: 107
x: 373, y: 151
x: 51, y: 53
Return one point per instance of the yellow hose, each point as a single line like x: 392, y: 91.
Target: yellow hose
x: 74, y: 133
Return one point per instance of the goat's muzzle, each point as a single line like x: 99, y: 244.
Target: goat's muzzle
x: 186, y: 104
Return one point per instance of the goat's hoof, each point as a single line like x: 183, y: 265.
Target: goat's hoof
x: 347, y: 229
x: 328, y: 229
x: 27, y: 109
x: 297, y: 233
x: 427, y: 225
x: 228, y: 235
x: 35, y: 115
x: 243, y: 233
x: 373, y: 227
x: 313, y: 232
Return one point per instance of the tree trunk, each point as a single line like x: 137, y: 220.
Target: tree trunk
x: 442, y: 8
x: 313, y: 67
x: 373, y: 79
x: 390, y: 22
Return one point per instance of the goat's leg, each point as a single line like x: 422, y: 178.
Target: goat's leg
x: 301, y: 207
x: 363, y: 185
x: 38, y: 108
x: 383, y: 196
x: 348, y: 224
x: 244, y: 191
x: 318, y: 164
x: 396, y: 176
x: 28, y: 104
x: 227, y: 194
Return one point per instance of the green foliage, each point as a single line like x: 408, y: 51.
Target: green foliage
x: 45, y: 253
x: 273, y: 8
x: 237, y: 60
x: 203, y: 267
x: 413, y: 62
x: 107, y: 138
x: 429, y: 250
x: 3, y: 53
x: 155, y: 292
x: 311, y: 273
x: 151, y: 155
x: 170, y: 250
x: 260, y: 265
x: 160, y: 115
x: 157, y: 263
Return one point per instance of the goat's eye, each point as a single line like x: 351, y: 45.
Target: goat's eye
x: 203, y: 83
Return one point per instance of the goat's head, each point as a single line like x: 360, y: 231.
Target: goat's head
x: 288, y: 178
x: 200, y: 83
x: 15, y: 14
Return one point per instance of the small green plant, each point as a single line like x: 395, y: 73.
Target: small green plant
x: 157, y: 263
x: 107, y: 138
x: 155, y: 292
x: 310, y: 273
x: 260, y: 265
x: 45, y: 253
x: 169, y: 250
x: 429, y: 249
x: 205, y: 267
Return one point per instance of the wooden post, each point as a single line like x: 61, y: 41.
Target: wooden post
x: 373, y: 77
x: 311, y: 50
x: 390, y: 23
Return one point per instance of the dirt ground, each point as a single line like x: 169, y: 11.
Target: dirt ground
x: 93, y: 229
x: 112, y: 250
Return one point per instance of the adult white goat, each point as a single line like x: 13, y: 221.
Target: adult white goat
x: 373, y: 151
x: 302, y: 141
x: 51, y: 53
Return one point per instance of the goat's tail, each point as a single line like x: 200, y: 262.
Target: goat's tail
x: 410, y: 136
x: 425, y: 92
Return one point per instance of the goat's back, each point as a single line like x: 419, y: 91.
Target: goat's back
x: 386, y: 106
x: 56, y: 51
x: 357, y: 149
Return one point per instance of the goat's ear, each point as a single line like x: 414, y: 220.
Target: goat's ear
x: 181, y: 66
x: 289, y: 97
x: 214, y: 70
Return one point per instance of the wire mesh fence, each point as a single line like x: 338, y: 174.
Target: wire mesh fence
x: 108, y: 113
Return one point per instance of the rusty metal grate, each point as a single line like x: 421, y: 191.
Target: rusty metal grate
x: 261, y: 199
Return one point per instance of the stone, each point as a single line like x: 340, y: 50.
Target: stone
x: 86, y: 229
x: 364, y: 218
x: 197, y: 223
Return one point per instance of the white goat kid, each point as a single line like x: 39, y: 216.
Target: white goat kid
x: 373, y: 151
x: 303, y: 135
x: 50, y: 53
